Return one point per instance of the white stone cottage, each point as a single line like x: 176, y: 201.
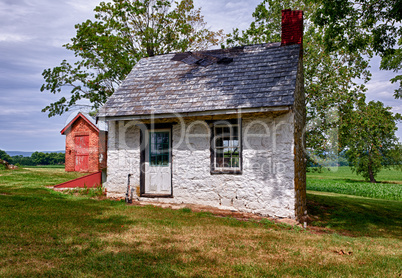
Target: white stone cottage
x: 222, y: 128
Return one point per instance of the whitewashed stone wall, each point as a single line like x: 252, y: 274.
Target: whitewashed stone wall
x: 266, y: 185
x: 123, y: 157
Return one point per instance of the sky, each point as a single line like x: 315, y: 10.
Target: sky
x: 32, y: 33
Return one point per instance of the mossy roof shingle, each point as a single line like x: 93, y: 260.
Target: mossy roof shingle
x: 258, y: 76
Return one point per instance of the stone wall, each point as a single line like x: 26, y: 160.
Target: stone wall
x: 266, y: 185
x: 123, y: 157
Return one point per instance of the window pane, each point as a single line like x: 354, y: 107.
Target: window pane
x: 153, y: 160
x: 226, y: 162
x: 235, y: 152
x: 219, y: 142
x: 235, y: 131
x: 235, y: 162
x: 235, y: 142
x: 219, y: 157
x: 165, y: 159
x: 159, y: 149
x: 227, y: 146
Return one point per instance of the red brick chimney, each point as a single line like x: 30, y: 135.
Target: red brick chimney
x: 292, y: 27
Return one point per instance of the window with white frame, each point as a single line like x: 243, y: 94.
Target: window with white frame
x: 226, y: 148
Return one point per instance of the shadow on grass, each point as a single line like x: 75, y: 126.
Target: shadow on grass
x: 364, y: 181
x: 351, y: 180
x: 358, y: 216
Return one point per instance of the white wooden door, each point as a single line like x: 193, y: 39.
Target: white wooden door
x: 158, y: 174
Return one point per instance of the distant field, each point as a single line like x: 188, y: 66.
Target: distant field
x: 344, y: 172
x: 342, y: 180
x: 45, y: 166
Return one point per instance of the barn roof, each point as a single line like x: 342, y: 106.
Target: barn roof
x: 86, y: 117
x: 252, y: 76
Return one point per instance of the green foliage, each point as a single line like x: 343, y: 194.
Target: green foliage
x: 5, y: 156
x: 124, y: 31
x: 330, y: 79
x: 39, y: 158
x: 371, y: 142
x: 266, y: 26
x: 365, y: 26
x: 23, y: 160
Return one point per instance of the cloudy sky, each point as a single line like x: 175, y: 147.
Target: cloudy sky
x: 32, y: 33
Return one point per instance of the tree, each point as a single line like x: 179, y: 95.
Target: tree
x: 124, y: 31
x: 22, y: 160
x: 331, y: 86
x: 39, y: 158
x: 5, y: 156
x: 372, y: 144
x: 361, y: 25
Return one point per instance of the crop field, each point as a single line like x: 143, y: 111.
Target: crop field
x: 44, y: 233
x: 342, y: 180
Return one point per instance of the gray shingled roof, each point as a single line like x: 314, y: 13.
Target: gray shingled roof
x: 259, y: 76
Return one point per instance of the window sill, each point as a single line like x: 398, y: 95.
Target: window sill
x: 150, y: 195
x: 226, y: 171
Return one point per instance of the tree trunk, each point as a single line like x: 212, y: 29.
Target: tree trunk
x: 150, y: 51
x: 371, y: 175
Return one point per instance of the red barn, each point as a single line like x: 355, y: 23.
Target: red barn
x: 85, y: 144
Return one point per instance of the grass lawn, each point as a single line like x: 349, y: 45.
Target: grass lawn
x: 46, y: 166
x: 44, y: 233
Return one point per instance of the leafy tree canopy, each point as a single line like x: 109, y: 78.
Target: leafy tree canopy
x: 37, y: 158
x: 124, y: 31
x: 5, y: 156
x: 369, y: 26
x: 330, y: 83
x: 372, y: 144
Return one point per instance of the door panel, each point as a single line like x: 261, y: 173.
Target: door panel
x: 158, y: 174
x: 81, y: 153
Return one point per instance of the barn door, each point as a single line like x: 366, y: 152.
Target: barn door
x: 158, y: 173
x: 81, y: 153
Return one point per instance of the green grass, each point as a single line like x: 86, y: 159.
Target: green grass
x: 44, y: 233
x: 46, y: 166
x: 355, y: 215
x: 35, y: 177
x: 344, y: 172
x: 342, y: 180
